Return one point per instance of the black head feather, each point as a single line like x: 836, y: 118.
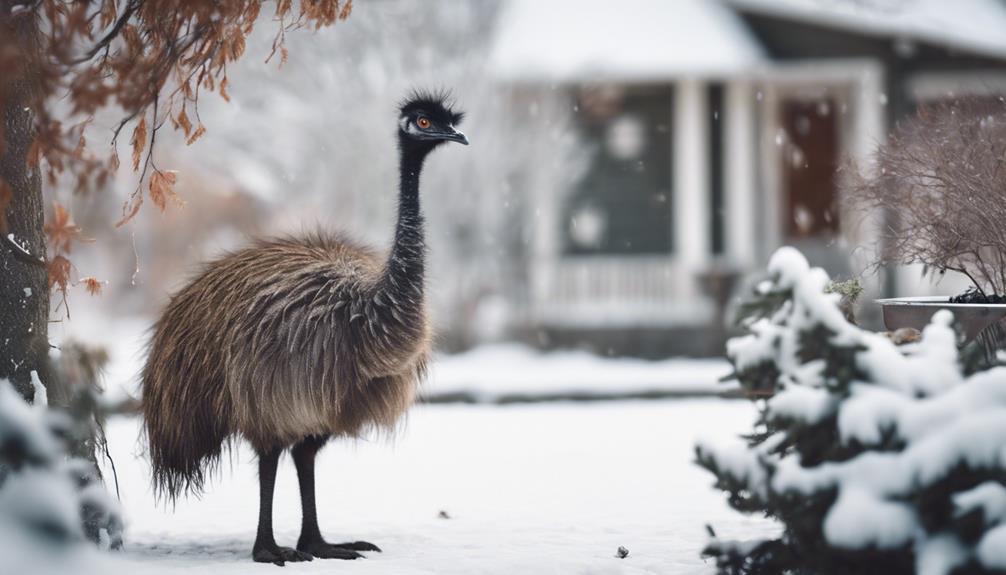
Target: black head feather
x: 437, y: 105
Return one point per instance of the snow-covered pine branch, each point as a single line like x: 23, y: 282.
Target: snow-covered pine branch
x: 50, y: 503
x: 874, y: 458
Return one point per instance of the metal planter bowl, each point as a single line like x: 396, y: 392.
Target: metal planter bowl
x: 916, y: 312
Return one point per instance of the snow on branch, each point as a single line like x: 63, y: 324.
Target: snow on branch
x: 873, y: 457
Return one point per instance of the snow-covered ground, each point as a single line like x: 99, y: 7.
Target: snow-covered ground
x: 531, y: 488
x: 544, y: 488
x: 511, y: 372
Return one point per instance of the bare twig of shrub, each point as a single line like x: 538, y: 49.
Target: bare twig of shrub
x: 941, y: 183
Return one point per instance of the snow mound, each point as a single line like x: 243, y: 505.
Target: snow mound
x: 49, y: 502
x: 507, y: 373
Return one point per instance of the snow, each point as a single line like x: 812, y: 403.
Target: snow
x: 545, y: 488
x: 23, y: 426
x: 969, y: 25
x: 806, y: 404
x: 739, y: 462
x: 41, y: 395
x: 43, y: 502
x: 23, y: 552
x: 858, y: 519
x: 507, y: 371
x: 530, y: 488
x: 40, y: 498
x: 992, y: 548
x: 750, y: 350
x: 592, y: 40
x: 939, y: 555
x: 990, y: 497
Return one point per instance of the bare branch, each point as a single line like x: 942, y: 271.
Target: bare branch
x: 939, y: 181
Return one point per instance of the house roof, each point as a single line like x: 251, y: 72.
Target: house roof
x: 975, y: 26
x: 628, y: 40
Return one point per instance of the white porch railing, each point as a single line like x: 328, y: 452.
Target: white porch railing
x: 627, y: 291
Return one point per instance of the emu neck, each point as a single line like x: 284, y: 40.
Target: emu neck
x: 406, y: 264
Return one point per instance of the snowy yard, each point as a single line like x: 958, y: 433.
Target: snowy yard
x: 532, y: 488
x: 552, y: 488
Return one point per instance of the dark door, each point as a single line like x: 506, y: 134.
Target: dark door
x: 810, y: 161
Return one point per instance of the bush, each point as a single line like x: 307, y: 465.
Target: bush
x: 50, y: 502
x: 874, y: 458
x: 941, y: 181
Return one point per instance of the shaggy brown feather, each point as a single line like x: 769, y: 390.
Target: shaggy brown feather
x: 285, y: 339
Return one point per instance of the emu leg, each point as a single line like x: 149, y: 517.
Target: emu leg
x: 265, y: 549
x: 311, y: 540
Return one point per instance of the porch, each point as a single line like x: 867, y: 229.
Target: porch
x: 748, y: 164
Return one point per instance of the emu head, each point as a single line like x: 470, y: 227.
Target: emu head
x: 427, y: 120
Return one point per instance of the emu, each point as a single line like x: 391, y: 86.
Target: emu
x: 291, y: 342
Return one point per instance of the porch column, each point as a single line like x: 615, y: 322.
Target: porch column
x: 870, y: 132
x: 740, y: 177
x: 769, y: 214
x: 691, y: 181
x: 544, y: 211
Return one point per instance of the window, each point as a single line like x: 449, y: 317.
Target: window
x: 622, y: 205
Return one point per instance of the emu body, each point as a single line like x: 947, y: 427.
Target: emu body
x: 290, y: 342
x: 277, y: 342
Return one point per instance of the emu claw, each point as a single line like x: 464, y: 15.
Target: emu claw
x: 279, y: 555
x: 323, y: 550
x: 359, y: 546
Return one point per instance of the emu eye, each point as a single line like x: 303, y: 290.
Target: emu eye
x: 423, y: 122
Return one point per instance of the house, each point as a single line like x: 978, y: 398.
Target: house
x: 714, y: 130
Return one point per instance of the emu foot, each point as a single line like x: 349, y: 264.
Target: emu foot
x: 278, y: 555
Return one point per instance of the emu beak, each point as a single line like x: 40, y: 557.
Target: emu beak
x: 455, y: 136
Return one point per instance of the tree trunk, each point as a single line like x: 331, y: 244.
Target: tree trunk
x: 24, y: 290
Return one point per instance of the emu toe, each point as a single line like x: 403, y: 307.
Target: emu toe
x: 279, y: 555
x: 323, y: 550
x: 359, y: 546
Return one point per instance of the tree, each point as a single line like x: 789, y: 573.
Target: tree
x: 873, y: 458
x: 63, y: 61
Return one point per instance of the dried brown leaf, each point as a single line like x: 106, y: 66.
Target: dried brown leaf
x: 223, y: 90
x: 139, y: 141
x: 60, y: 231
x: 59, y: 274
x: 109, y: 13
x: 196, y: 135
x: 184, y: 122
x: 92, y: 285
x: 130, y: 209
x: 162, y: 189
